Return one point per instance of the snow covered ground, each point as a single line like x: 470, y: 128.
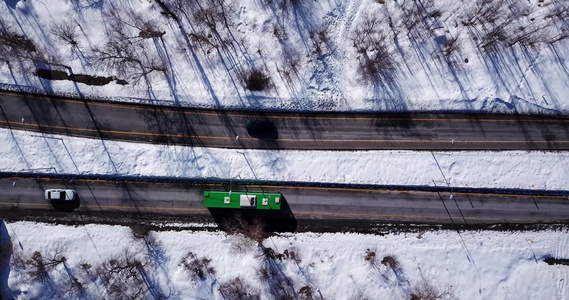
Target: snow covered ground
x: 199, y: 265
x: 359, y: 55
x: 36, y: 152
x: 491, y: 56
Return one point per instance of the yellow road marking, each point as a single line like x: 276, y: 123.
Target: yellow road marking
x: 294, y: 212
x: 282, y: 140
x: 235, y: 114
x: 401, y: 216
x: 111, y: 206
x: 276, y: 187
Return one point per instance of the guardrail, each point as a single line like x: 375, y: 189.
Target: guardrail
x: 251, y: 182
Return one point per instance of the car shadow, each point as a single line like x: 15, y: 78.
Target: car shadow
x: 66, y: 206
x: 263, y: 130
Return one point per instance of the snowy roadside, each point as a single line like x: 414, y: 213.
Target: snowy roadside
x: 478, y: 56
x: 203, y: 265
x: 36, y: 152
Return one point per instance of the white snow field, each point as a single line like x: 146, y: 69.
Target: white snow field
x: 357, y: 55
x: 466, y: 265
x: 493, y: 56
x: 24, y: 151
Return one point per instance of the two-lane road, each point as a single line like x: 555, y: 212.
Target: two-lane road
x: 322, y: 131
x: 299, y: 202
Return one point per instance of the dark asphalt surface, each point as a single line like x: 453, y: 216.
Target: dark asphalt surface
x: 300, y: 203
x: 322, y: 131
x: 336, y: 131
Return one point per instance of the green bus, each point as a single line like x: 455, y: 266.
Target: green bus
x: 251, y: 200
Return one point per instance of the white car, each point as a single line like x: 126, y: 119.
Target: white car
x: 55, y: 194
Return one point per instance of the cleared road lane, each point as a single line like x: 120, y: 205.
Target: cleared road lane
x: 331, y: 131
x: 299, y: 202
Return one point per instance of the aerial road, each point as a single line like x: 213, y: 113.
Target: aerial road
x: 280, y: 130
x: 299, y: 203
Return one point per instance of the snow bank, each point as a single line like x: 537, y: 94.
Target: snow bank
x: 30, y: 151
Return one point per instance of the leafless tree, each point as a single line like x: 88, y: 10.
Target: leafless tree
x: 14, y: 46
x: 483, y: 12
x: 66, y: 31
x: 375, y: 59
x: 235, y: 289
x: 321, y: 40
x: 306, y: 293
x: 126, y: 52
x: 121, y: 275
x: 40, y: 266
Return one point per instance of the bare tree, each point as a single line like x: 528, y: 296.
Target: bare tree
x: 14, y: 46
x: 40, y: 266
x: 66, y: 31
x: 122, y: 276
x: 375, y: 59
x: 126, y: 53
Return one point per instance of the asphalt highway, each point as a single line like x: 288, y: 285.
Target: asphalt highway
x: 318, y: 131
x: 300, y: 203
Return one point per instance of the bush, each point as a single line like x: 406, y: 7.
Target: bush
x: 254, y: 230
x: 306, y: 293
x: 391, y: 261
x: 139, y: 231
x: 236, y: 289
x: 197, y: 266
x: 257, y: 81
x: 370, y: 257
x: 426, y: 291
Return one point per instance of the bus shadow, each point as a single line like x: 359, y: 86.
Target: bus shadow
x: 282, y: 220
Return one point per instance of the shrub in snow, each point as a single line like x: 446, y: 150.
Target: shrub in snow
x: 197, y: 266
x: 254, y: 230
x: 139, y: 231
x: 370, y: 257
x: 257, y: 81
x: 427, y: 291
x: 277, y: 283
x: 391, y: 261
x: 305, y: 293
x: 236, y: 289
